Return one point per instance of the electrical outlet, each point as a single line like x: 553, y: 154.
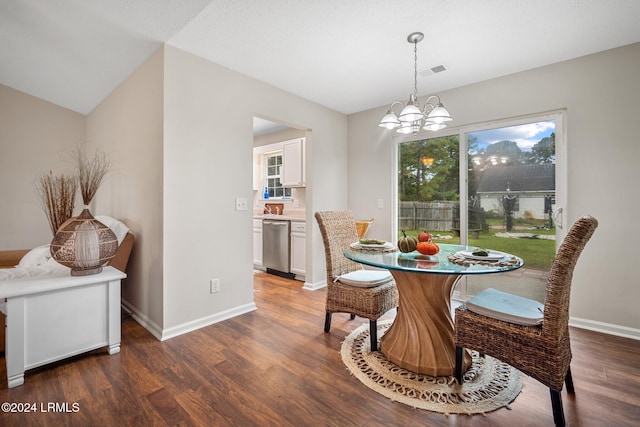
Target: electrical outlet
x: 214, y: 286
x: 380, y: 203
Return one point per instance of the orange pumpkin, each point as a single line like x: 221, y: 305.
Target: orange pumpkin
x: 424, y: 236
x: 428, y: 248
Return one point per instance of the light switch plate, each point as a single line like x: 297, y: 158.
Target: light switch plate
x: 241, y: 204
x: 380, y: 203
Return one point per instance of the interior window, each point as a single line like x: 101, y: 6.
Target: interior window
x: 273, y: 173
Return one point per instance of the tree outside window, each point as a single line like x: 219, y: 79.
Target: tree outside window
x: 428, y: 170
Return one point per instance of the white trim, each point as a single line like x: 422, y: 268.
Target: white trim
x: 397, y: 140
x: 463, y: 173
x: 155, y: 330
x: 151, y: 326
x: 510, y: 121
x: 562, y: 175
x: 206, y: 321
x: 605, y: 328
x: 315, y: 286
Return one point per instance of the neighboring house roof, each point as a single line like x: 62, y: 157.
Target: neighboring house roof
x: 518, y: 178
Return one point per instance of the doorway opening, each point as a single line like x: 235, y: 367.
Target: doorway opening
x: 280, y: 198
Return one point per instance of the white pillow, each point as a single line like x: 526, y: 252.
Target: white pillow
x: 118, y: 228
x: 35, y: 257
x: 365, y: 278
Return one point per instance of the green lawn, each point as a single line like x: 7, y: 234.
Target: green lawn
x: 536, y: 253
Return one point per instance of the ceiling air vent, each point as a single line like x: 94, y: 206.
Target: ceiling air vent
x: 433, y: 70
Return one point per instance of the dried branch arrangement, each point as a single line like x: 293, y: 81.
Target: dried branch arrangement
x: 57, y: 197
x: 90, y: 172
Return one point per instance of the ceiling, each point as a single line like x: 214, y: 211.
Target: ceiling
x: 263, y: 127
x: 347, y: 55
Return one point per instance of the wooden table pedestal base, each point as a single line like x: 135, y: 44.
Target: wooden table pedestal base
x: 421, y: 338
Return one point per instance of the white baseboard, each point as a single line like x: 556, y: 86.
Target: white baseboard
x: 315, y: 286
x: 206, y: 321
x: 153, y: 328
x: 162, y: 335
x: 606, y: 328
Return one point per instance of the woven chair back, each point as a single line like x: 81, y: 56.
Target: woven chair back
x: 556, y: 305
x: 338, y: 229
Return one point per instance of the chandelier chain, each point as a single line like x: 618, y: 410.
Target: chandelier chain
x: 415, y: 69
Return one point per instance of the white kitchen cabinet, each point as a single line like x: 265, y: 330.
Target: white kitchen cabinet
x: 257, y: 243
x: 293, y: 173
x: 298, y: 244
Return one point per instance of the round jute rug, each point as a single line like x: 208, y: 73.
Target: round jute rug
x: 488, y: 385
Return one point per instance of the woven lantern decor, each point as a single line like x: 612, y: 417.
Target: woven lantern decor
x: 83, y: 243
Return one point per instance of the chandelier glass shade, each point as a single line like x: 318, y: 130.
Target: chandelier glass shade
x: 412, y: 117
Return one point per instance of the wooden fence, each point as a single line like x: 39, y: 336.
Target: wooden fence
x: 437, y: 216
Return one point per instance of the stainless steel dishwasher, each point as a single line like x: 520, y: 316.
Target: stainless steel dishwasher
x: 276, y: 247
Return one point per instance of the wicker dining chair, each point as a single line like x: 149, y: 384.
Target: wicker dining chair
x: 542, y: 352
x: 338, y: 231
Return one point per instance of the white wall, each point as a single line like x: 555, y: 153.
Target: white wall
x: 128, y: 126
x: 36, y: 137
x: 208, y: 147
x: 600, y: 94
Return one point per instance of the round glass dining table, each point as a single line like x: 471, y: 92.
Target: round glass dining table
x: 422, y: 337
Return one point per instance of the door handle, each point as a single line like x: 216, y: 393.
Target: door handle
x: 557, y: 217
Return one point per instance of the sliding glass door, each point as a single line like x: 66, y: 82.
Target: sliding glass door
x: 498, y: 186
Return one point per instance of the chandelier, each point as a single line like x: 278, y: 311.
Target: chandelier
x: 413, y: 117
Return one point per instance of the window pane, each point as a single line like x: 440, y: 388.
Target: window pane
x: 273, y: 173
x: 512, y: 187
x: 428, y: 188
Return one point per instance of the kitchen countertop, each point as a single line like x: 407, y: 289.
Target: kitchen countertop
x: 283, y: 217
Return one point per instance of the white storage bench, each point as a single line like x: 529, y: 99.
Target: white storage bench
x: 55, y: 316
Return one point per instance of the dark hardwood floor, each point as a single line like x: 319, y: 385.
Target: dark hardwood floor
x: 276, y: 367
